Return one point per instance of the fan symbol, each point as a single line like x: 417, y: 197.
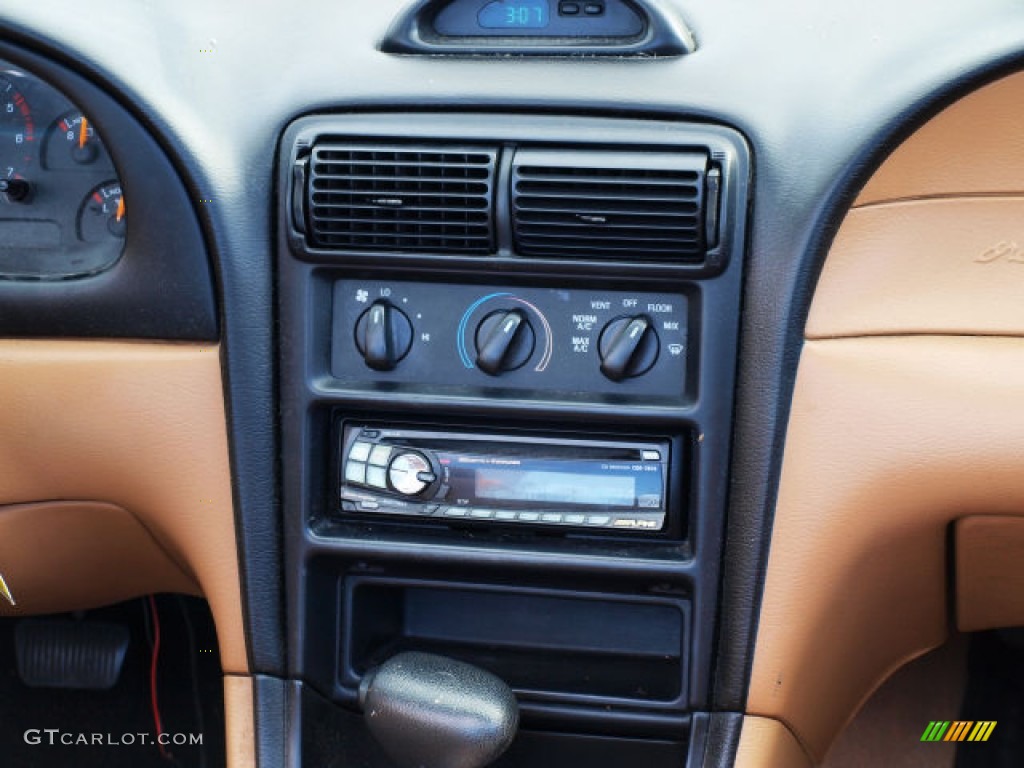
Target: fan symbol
x: 362, y: 296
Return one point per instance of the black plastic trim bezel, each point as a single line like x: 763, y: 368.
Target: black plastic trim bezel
x: 724, y: 148
x: 679, y: 484
x: 162, y: 286
x: 319, y: 550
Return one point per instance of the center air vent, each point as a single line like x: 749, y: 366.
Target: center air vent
x: 402, y: 198
x: 612, y: 205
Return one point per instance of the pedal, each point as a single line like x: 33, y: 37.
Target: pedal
x: 59, y: 653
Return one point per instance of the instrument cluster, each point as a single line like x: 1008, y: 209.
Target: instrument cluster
x: 62, y: 209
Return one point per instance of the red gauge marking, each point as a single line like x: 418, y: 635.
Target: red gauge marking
x: 97, y: 198
x: 26, y: 113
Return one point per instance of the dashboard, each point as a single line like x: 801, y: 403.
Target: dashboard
x: 564, y: 339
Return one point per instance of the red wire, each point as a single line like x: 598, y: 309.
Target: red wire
x: 152, y: 677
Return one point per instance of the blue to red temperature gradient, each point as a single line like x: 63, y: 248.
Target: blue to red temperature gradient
x: 515, y: 14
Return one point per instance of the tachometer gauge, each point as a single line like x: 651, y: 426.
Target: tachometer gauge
x: 101, y: 216
x: 17, y: 132
x: 72, y: 142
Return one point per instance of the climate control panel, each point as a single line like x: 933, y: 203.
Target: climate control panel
x: 578, y: 341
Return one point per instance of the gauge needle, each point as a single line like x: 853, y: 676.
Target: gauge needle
x: 120, y: 209
x: 83, y: 133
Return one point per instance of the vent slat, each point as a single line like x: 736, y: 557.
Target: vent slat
x: 630, y: 186
x: 378, y: 202
x: 402, y: 198
x: 408, y: 176
x: 622, y: 205
x: 628, y: 218
x: 597, y: 204
x: 381, y: 161
x: 408, y: 214
x: 400, y: 237
x: 402, y: 157
x: 588, y: 250
x: 639, y: 224
x: 627, y: 170
x: 402, y: 230
x: 611, y: 242
x: 466, y: 220
x: 608, y: 197
x: 652, y: 235
x: 371, y: 243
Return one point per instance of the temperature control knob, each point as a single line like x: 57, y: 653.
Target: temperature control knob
x: 628, y: 347
x: 383, y: 335
x: 504, y: 341
x: 410, y: 473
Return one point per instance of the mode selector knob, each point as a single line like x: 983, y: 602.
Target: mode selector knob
x: 383, y: 335
x: 504, y: 341
x: 628, y: 347
x: 410, y: 473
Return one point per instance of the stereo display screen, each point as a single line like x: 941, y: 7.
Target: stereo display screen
x: 531, y: 485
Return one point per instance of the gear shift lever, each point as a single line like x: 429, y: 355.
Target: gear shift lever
x: 429, y: 711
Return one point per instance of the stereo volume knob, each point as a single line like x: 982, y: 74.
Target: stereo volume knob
x: 383, y: 335
x: 628, y: 347
x: 504, y: 342
x: 410, y: 473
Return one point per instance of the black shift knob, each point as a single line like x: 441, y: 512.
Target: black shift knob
x: 428, y: 711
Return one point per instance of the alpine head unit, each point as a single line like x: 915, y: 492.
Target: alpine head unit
x: 504, y: 479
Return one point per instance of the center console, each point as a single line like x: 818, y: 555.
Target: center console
x: 507, y: 357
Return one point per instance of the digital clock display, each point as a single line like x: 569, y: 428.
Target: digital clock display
x: 515, y: 14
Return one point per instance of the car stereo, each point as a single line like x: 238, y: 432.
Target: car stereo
x: 504, y: 479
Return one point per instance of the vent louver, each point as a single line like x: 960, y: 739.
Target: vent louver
x: 609, y: 205
x: 402, y: 198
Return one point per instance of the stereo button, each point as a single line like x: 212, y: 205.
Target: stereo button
x: 529, y: 517
x: 405, y: 470
x: 377, y: 477
x: 599, y: 520
x: 505, y: 514
x: 551, y: 518
x: 481, y: 514
x: 360, y: 452
x: 380, y: 455
x: 575, y: 519
x: 455, y: 512
x: 355, y: 472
